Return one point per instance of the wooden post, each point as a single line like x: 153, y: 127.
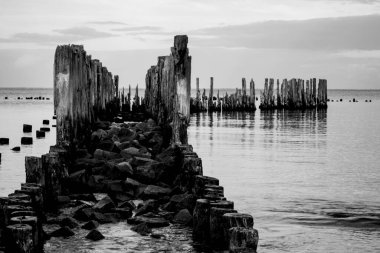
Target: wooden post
x: 201, y: 221
x: 279, y: 105
x: 211, y: 95
x: 217, y: 237
x: 243, y: 239
x: 19, y: 238
x: 252, y: 95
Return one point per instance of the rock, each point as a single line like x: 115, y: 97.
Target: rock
x: 183, y: 217
x: 148, y: 206
x: 95, y: 183
x: 129, y: 152
x: 152, y: 222
x: 131, y: 183
x: 113, y: 186
x: 111, y: 218
x: 45, y: 122
x: 106, y: 144
x: 105, y: 155
x: 123, y: 212
x: 140, y: 161
x: 62, y: 232
x: 87, y: 163
x: 27, y: 128
x: 90, y: 225
x: 63, y: 199
x: 104, y: 204
x: 95, y: 235
x: 155, y: 192
x: 121, y: 171
x: 181, y: 201
x: 98, y: 135
x: 150, y: 173
x: 126, y: 134
x: 16, y: 149
x: 104, y: 125
x: 26, y: 140
x: 4, y: 141
x: 243, y: 239
x: 122, y: 196
x: 127, y: 204
x: 69, y: 222
x: 83, y: 196
x: 155, y: 142
x: 84, y: 214
x: 45, y: 129
x: 142, y: 229
x: 40, y: 134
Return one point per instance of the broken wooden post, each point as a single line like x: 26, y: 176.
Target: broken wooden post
x: 217, y: 237
x: 201, y: 221
x: 19, y: 238
x: 252, y: 95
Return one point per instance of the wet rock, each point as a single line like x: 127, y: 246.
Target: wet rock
x: 183, y: 217
x: 98, y: 135
x: 84, y: 214
x: 123, y: 212
x: 148, y: 206
x: 113, y: 186
x: 69, y: 222
x: 27, y: 128
x: 105, y: 204
x: 126, y: 134
x: 142, y: 229
x: 131, y: 183
x: 62, y: 232
x: 155, y: 192
x: 141, y: 161
x: 26, y: 140
x: 96, y: 183
x: 87, y: 163
x: 45, y: 122
x: 90, y: 225
x: 95, y: 235
x: 181, y: 201
x: 16, y: 149
x: 107, y: 145
x: 105, y: 155
x: 129, y: 152
x: 122, y: 196
x: 127, y: 204
x: 4, y: 141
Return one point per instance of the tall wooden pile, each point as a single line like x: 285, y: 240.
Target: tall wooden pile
x: 167, y: 93
x: 84, y: 91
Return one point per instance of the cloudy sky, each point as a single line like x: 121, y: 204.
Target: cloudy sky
x: 228, y: 39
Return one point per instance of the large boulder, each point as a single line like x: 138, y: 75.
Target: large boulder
x: 155, y: 192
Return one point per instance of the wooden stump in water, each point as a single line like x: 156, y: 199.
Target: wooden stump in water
x: 201, y: 221
x: 19, y: 238
x: 243, y: 239
x: 222, y: 204
x: 217, y: 237
x: 201, y: 181
x: 33, y: 222
x: 209, y: 188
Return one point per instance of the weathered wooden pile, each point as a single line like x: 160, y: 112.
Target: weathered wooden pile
x: 84, y: 91
x: 167, y: 93
x: 293, y: 94
x: 239, y: 101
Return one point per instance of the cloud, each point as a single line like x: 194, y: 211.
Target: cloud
x: 138, y: 29
x: 73, y: 34
x: 345, y: 33
x: 106, y: 23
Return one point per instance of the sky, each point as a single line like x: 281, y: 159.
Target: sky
x: 337, y: 40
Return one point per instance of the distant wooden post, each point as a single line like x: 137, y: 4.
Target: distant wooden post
x: 252, y: 95
x: 211, y: 94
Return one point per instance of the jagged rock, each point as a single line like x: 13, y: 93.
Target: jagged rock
x: 84, y: 214
x: 140, y: 161
x: 122, y: 196
x: 126, y: 134
x: 96, y: 183
x: 90, y: 225
x: 62, y: 232
x: 106, y: 144
x: 94, y: 235
x: 105, y: 155
x: 142, y: 229
x: 181, y: 201
x: 121, y: 171
x: 183, y: 217
x: 155, y: 192
x: 69, y: 222
x: 86, y: 164
x: 16, y: 148
x: 105, y: 204
x: 148, y: 206
x: 127, y: 204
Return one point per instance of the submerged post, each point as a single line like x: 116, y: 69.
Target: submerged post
x: 211, y: 94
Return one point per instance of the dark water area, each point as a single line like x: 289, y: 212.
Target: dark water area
x: 311, y: 179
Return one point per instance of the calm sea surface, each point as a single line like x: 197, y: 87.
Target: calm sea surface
x: 311, y: 179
